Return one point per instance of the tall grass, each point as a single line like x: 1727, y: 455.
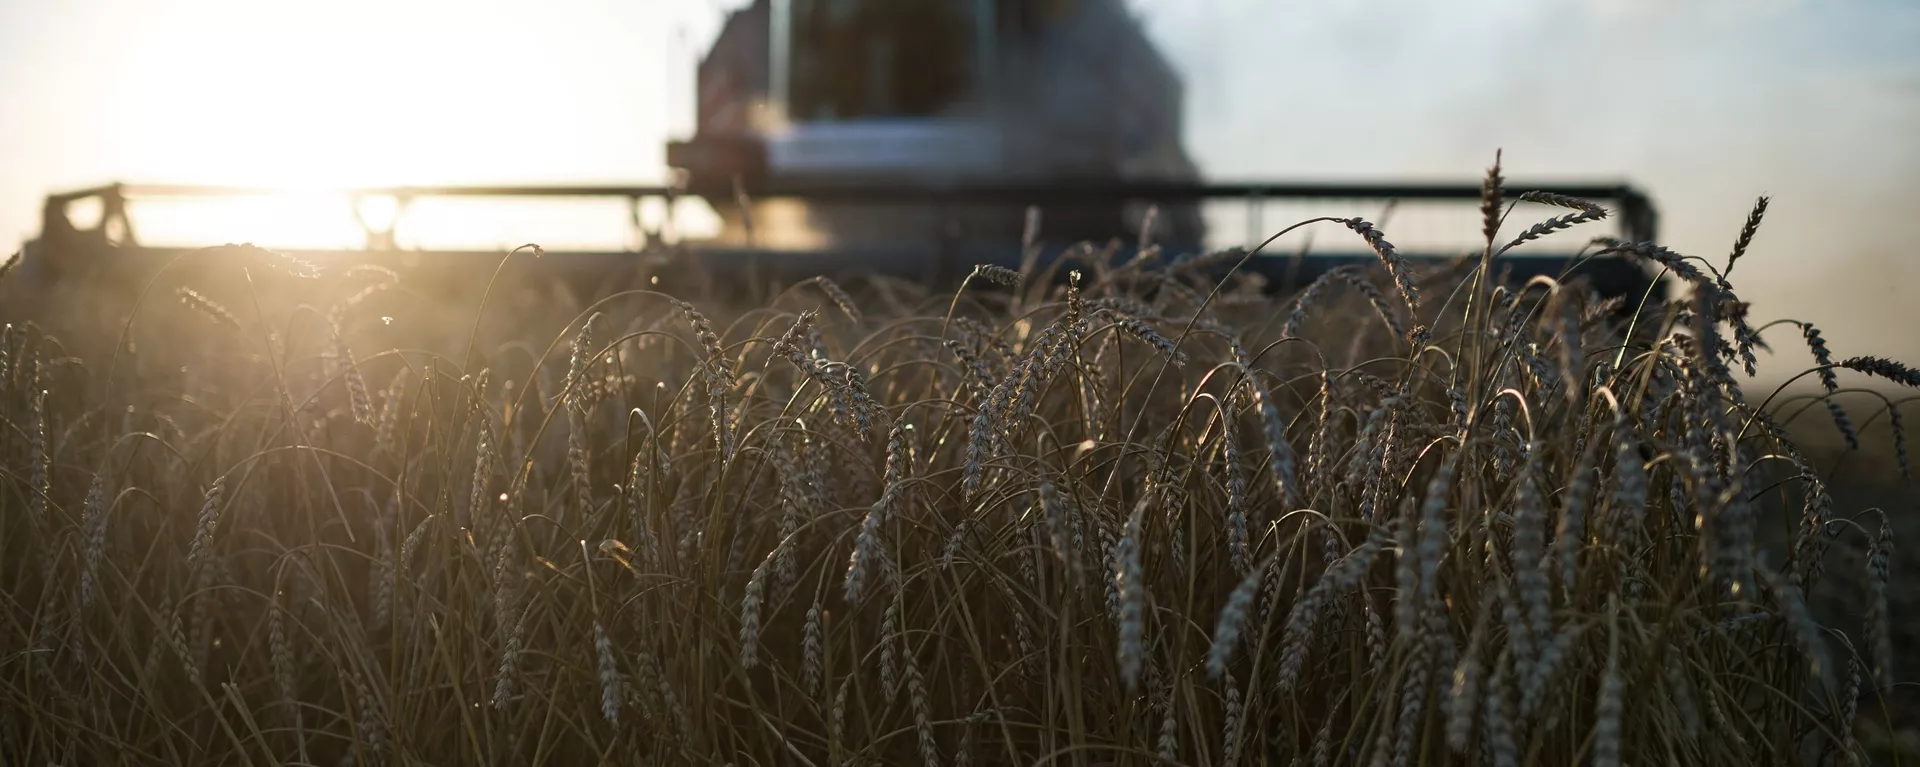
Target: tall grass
x: 1085, y: 513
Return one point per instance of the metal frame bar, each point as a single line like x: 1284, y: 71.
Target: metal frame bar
x: 1071, y: 192
x: 1638, y: 219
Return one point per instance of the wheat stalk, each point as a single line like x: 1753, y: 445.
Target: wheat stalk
x: 94, y: 522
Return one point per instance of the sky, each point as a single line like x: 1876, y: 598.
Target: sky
x: 1705, y: 104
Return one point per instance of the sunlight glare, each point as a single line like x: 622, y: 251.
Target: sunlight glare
x: 318, y: 220
x: 378, y: 212
x: 367, y: 94
x: 85, y: 212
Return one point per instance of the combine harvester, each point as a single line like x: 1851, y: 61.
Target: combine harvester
x: 908, y: 140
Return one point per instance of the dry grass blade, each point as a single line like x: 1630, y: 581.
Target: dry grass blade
x: 811, y: 648
x: 1746, y: 234
x: 1609, y: 709
x: 610, y: 684
x: 750, y: 606
x: 1374, y: 297
x: 1824, y: 358
x: 1239, y: 553
x: 1490, y: 201
x: 94, y: 522
x: 998, y: 275
x: 1561, y: 201
x: 1339, y: 578
x: 209, y: 522
x: 357, y: 396
x: 1233, y: 621
x: 839, y: 298
x: 1138, y: 328
x: 917, y: 700
x: 717, y: 370
x: 1396, y: 264
x: 1129, y: 580
x: 1874, y: 366
x: 276, y: 260
x: 207, y: 307
x: 1878, y: 623
x: 1280, y: 455
x: 1308, y: 297
x: 1674, y: 262
x: 370, y: 272
x: 1463, y: 699
x: 1586, y: 214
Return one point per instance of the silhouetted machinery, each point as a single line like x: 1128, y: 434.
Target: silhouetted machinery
x: 939, y: 94
x: 894, y: 137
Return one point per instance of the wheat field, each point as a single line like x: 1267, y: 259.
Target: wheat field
x: 1079, y: 513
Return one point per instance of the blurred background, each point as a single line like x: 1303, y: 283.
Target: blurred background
x: 1701, y: 104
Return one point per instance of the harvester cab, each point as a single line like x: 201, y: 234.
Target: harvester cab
x: 936, y: 95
